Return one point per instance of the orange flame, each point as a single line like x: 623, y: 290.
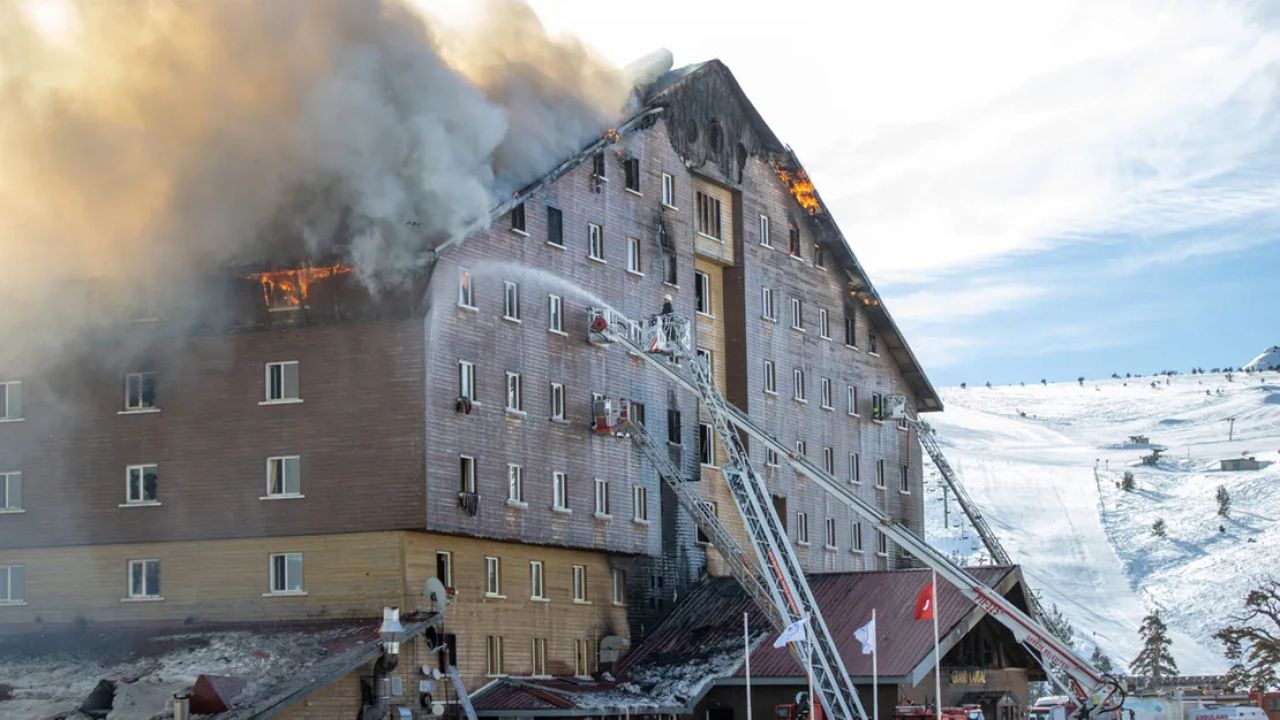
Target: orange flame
x: 801, y: 189
x: 289, y: 288
x: 612, y: 135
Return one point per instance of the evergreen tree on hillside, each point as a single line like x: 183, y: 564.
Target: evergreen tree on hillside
x: 1224, y: 501
x: 1100, y: 660
x: 1059, y: 625
x: 1252, y: 642
x: 1154, y: 661
x: 1158, y: 528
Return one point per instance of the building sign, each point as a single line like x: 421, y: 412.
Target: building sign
x: 969, y: 677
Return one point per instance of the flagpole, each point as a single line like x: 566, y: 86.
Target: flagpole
x: 937, y: 659
x: 809, y: 648
x: 746, y: 652
x: 875, y: 671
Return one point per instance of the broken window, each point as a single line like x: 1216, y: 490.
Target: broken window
x: 536, y: 589
x: 140, y: 484
x: 708, y: 215
x: 770, y: 457
x: 140, y: 391
x: 467, y: 473
x: 602, y: 498
x: 493, y: 576
x: 702, y: 292
x: 668, y: 190
x: 765, y: 240
x: 284, y: 476
x: 673, y: 427
x: 704, y: 357
x: 517, y: 218
x: 555, y: 313
x: 286, y: 573
x: 669, y: 267
x: 877, y: 410
x: 144, y: 579
x: 793, y: 235
x: 631, y: 168
x: 559, y: 491
x: 580, y: 583
x: 11, y: 400
x: 595, y: 242
x: 282, y: 381
x: 10, y: 492
x: 770, y: 378
x: 819, y: 257
x: 444, y: 567
x: 557, y: 401
x: 13, y: 585
x: 510, y: 300
x: 581, y: 664
x: 555, y: 226
x: 466, y: 297
x: 640, y: 503
x: 515, y: 483
x: 493, y: 660
x: 711, y: 508
x: 855, y: 468
x: 515, y: 392
x: 706, y: 445
x: 872, y: 344
x: 597, y: 165
x: 802, y: 528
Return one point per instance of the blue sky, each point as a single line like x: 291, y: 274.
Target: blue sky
x: 1041, y: 189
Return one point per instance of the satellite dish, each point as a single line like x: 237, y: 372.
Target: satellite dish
x: 436, y: 594
x: 437, y: 708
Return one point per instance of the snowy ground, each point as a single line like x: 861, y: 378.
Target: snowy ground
x: 1027, y: 456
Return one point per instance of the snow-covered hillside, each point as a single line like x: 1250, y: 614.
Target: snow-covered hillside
x: 1266, y: 360
x: 1027, y: 455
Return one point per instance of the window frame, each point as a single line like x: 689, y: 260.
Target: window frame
x: 556, y: 395
x: 855, y: 468
x: 537, y: 581
x: 147, y: 592
x: 555, y: 227
x: 709, y: 216
x: 513, y: 386
x: 797, y: 314
x: 494, y: 662
x: 851, y: 400
x: 467, y: 380
x: 10, y: 597
x: 880, y: 477
x: 904, y: 479
x: 855, y: 539
x: 702, y: 294
x: 141, y: 500
x: 448, y: 567
x: 633, y: 257
x: 467, y: 474
x: 631, y: 175
x: 538, y: 657
x: 493, y: 577
x: 619, y: 587
x: 829, y: 460
x: 511, y: 301
x: 9, y: 479
x: 581, y: 661
x: 560, y: 491
x: 882, y: 544
x: 595, y: 242
x: 7, y: 404
x: 284, y: 483
x: 640, y: 504
x: 706, y: 446
x: 601, y: 498
x: 466, y: 290
x: 768, y: 306
x: 515, y: 484
x: 799, y: 391
x: 669, y: 191
x: 269, y: 382
x: 272, y: 588
x: 517, y: 217
x: 555, y: 314
x: 770, y: 382
x: 802, y: 527
x: 579, y: 588
x: 765, y: 239
x: 824, y: 324
x: 826, y: 396
x: 141, y: 406
x: 830, y: 539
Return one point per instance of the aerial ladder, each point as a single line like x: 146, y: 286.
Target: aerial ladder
x: 663, y: 342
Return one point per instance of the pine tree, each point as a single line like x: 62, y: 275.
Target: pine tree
x: 1253, y: 643
x: 1059, y: 625
x: 1224, y: 501
x: 1127, y: 483
x: 1158, y: 528
x: 1100, y: 660
x: 1154, y: 660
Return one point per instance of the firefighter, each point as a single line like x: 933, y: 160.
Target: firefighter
x: 667, y: 309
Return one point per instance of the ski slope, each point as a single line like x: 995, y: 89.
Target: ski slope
x: 1027, y: 455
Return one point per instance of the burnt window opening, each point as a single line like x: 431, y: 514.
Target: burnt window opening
x: 517, y: 218
x: 669, y: 268
x: 631, y: 168
x: 819, y: 258
x: 673, y: 427
x: 555, y: 226
x: 597, y: 165
x: 793, y: 235
x: 691, y: 132
x: 871, y: 343
x: 715, y: 137
x: 850, y: 328
x: 140, y: 391
x: 742, y: 159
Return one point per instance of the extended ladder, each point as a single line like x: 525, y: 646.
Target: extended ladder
x: 989, y: 539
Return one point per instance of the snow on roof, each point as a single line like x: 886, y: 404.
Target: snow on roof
x: 52, y: 670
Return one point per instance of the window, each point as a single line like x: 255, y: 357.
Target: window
x: 580, y: 584
x: 882, y: 544
x: 856, y: 544
x: 444, y: 567
x: 797, y: 314
x: 286, y: 573
x: 140, y: 391
x: 669, y: 268
x: 797, y: 381
x: 466, y: 380
x: 510, y: 300
x: 904, y: 480
x: 282, y: 381
x: 140, y: 484
x: 619, y: 587
x: 597, y: 165
x: 515, y: 483
x: 602, y: 498
x: 13, y: 584
x: 770, y: 378
x: 831, y: 533
x: 284, y: 476
x: 640, y: 503
x: 493, y: 661
x: 466, y: 293
x: 714, y: 511
x: 702, y: 293
x: 802, y: 528
x: 515, y: 392
x: 855, y: 468
x: 708, y: 216
x: 851, y: 399
x: 637, y: 413
x: 877, y: 407
x: 829, y: 460
x: 802, y: 448
x: 11, y: 400
x: 850, y: 328
x: 535, y: 581
x: 517, y: 218
x: 633, y: 255
x: 144, y: 579
x: 673, y: 427
x: 631, y: 168
x: 557, y: 401
x: 706, y: 445
x: 880, y: 473
x: 765, y: 240
x: 467, y: 474
x: 871, y: 343
x: 595, y: 242
x: 824, y: 384
x: 492, y: 576
x: 770, y: 457
x: 581, y: 663
x: 668, y: 190
x: 538, y: 657
x: 555, y: 313
x: 559, y: 491
x: 768, y: 310
x: 824, y: 327
x: 704, y: 357
x: 555, y: 226
x: 819, y: 257
x: 10, y: 492
x: 793, y: 239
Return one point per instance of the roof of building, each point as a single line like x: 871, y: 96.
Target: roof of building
x: 51, y: 670
x: 691, y: 94
x: 700, y: 644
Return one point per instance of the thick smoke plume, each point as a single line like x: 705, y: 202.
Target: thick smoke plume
x: 145, y: 139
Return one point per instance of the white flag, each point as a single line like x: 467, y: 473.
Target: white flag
x: 867, y: 636
x: 792, y: 633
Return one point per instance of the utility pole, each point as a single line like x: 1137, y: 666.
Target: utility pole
x: 946, y: 509
x: 1231, y: 428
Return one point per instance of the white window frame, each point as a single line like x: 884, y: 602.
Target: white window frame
x: 851, y: 399
x: 619, y: 587
x: 514, y: 386
x: 715, y: 512
x: 146, y: 593
x: 538, y: 657
x: 768, y: 309
x: 557, y: 402
x: 555, y: 314
x: 709, y: 212
x: 824, y: 324
x: 11, y: 411
x: 141, y: 405
x: 882, y: 544
x: 770, y: 377
x: 581, y: 596
x: 284, y: 492
x: 15, y: 592
x: 702, y: 293
x: 448, y: 566
x: 602, y: 499
x: 880, y: 479
x: 595, y: 242
x: 560, y: 491
x: 515, y: 485
x: 11, y: 491
x: 831, y: 534
x: 281, y: 586
x: 467, y: 467
x: 829, y: 460
x: 765, y: 240
x: 802, y: 527
x: 797, y: 314
x: 824, y: 385
x: 904, y: 479
x: 802, y: 448
x: 707, y: 458
x: 511, y: 301
x: 467, y: 380
x: 581, y: 661
x: 466, y: 290
x: 855, y: 468
x: 851, y: 328
x: 140, y: 499
x: 855, y: 539
x: 537, y: 581
x: 640, y: 504
x: 279, y: 367
x: 669, y: 190
x: 494, y: 663
x: 770, y: 457
x: 798, y: 391
x: 633, y: 256
x: 493, y: 576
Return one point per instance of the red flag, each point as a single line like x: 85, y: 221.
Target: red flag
x: 924, y: 603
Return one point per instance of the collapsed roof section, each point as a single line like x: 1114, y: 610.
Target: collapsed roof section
x: 705, y: 108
